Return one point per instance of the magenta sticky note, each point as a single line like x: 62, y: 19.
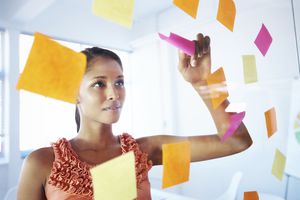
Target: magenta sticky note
x: 187, y: 46
x: 235, y: 121
x: 263, y: 40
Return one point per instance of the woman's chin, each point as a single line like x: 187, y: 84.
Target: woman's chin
x: 112, y: 121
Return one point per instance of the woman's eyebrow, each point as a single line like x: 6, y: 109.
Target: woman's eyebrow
x: 120, y: 76
x: 105, y: 77
x: 99, y: 77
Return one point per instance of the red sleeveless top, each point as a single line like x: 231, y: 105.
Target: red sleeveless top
x: 70, y: 177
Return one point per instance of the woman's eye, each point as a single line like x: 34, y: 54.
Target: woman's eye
x: 99, y: 84
x: 120, y: 83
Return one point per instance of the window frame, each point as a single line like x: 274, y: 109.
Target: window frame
x: 2, y: 132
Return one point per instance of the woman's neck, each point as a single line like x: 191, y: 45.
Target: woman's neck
x: 96, y: 137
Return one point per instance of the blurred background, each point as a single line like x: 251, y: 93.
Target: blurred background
x: 158, y: 99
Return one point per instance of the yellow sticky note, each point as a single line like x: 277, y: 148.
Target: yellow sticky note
x: 271, y: 123
x: 251, y: 195
x: 226, y: 13
x: 115, y: 179
x: 250, y: 74
x: 176, y: 163
x: 188, y: 6
x: 120, y: 12
x: 278, y: 165
x: 52, y: 70
x: 217, y: 86
x: 297, y: 121
x: 296, y: 124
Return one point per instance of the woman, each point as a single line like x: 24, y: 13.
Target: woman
x: 62, y: 171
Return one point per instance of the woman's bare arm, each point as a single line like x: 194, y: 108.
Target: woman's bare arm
x: 35, y: 170
x: 196, y: 70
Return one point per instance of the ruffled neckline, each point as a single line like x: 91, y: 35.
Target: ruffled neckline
x: 72, y: 175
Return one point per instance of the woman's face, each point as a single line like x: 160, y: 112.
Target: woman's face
x: 102, y: 93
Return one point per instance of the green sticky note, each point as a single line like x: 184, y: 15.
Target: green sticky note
x: 278, y: 165
x: 250, y: 74
x: 297, y: 134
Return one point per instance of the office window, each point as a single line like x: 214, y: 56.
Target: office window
x: 1, y: 97
x: 44, y: 120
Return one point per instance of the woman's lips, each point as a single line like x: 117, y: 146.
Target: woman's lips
x: 112, y: 108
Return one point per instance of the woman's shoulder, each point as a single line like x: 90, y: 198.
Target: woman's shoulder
x: 41, y: 159
x: 41, y: 154
x: 37, y: 167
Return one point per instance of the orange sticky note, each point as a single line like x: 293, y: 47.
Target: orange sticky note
x: 120, y: 12
x: 278, y: 165
x: 270, y: 116
x: 188, y: 6
x: 252, y: 195
x: 217, y: 86
x: 226, y: 13
x: 52, y: 70
x: 176, y: 163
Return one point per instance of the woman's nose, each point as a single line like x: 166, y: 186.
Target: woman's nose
x: 112, y: 93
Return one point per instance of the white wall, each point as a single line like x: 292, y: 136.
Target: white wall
x: 296, y: 5
x: 275, y: 72
x: 66, y: 20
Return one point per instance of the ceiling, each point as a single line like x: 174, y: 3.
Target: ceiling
x: 73, y: 20
x: 26, y: 11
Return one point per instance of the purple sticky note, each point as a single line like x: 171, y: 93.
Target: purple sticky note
x: 235, y: 121
x: 263, y: 40
x: 185, y: 45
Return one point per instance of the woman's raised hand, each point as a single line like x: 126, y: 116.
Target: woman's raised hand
x: 195, y: 69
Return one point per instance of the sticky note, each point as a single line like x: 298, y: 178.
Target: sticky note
x: 188, y: 6
x: 187, y: 46
x: 226, y: 13
x: 278, y: 165
x: 270, y: 117
x: 120, y: 12
x: 297, y: 134
x: 263, y: 40
x: 296, y: 124
x: 218, y: 89
x: 235, y: 121
x: 249, y: 66
x: 176, y: 163
x: 251, y: 195
x: 52, y: 70
x: 115, y: 179
x: 297, y: 121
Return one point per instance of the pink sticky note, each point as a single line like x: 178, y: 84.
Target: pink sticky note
x: 235, y: 121
x: 185, y: 45
x: 263, y: 40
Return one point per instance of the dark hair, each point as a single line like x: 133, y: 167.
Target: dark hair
x: 90, y: 54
